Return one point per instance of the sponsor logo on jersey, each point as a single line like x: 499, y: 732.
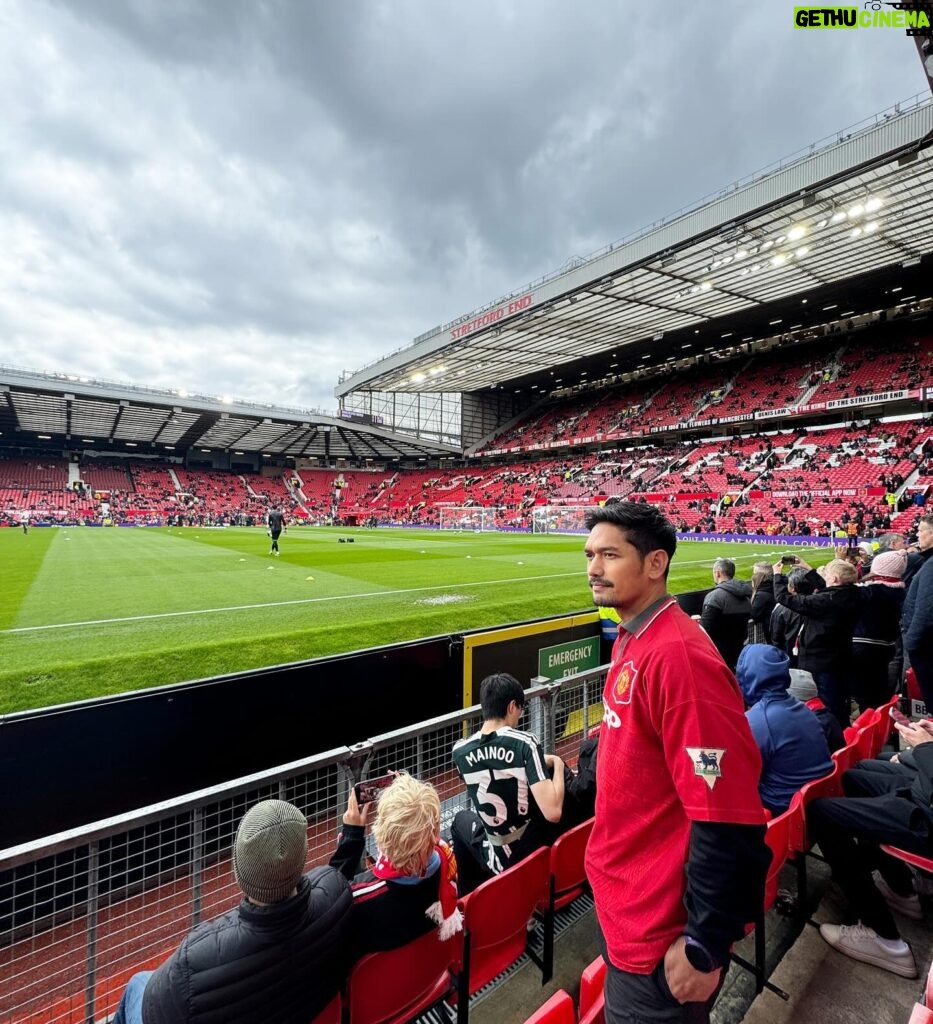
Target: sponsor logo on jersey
x: 707, y: 763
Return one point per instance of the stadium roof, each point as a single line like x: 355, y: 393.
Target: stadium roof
x: 38, y: 408
x: 835, y: 222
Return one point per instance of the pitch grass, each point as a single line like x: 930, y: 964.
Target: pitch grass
x: 86, y: 612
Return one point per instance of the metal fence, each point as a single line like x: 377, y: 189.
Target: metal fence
x: 82, y: 911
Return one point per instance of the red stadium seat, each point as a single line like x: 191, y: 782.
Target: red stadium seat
x: 778, y: 838
x: 557, y: 1010
x: 398, y: 985
x: 331, y: 1014
x: 567, y: 882
x: 495, y: 924
x: 592, y: 992
x: 799, y: 843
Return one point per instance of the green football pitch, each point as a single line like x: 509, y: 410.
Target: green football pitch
x: 88, y: 611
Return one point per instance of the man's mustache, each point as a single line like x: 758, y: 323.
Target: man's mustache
x: 600, y: 583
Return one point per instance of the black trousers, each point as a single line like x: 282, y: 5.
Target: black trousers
x: 646, y: 998
x: 468, y: 838
x: 877, y: 808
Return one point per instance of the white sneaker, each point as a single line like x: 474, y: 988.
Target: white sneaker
x: 862, y: 943
x: 909, y: 906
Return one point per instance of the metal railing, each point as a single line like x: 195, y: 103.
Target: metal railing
x: 81, y: 911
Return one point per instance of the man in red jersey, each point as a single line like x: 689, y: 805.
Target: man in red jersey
x: 677, y: 858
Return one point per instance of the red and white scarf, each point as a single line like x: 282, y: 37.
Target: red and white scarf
x: 444, y: 911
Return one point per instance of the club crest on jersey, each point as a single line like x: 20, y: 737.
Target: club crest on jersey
x: 707, y: 763
x: 622, y: 687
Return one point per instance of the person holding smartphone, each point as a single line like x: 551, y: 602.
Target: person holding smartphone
x: 412, y: 886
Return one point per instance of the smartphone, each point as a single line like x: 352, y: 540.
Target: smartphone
x: 369, y: 789
x: 788, y: 559
x: 899, y: 717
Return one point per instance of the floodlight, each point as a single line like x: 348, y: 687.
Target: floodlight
x: 802, y: 251
x: 873, y: 204
x: 871, y: 226
x: 797, y: 231
x: 838, y: 216
x: 856, y: 211
x: 855, y: 232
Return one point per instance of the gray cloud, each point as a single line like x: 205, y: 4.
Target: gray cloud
x: 248, y: 198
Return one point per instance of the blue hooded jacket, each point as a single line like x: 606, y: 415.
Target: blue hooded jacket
x: 792, y: 743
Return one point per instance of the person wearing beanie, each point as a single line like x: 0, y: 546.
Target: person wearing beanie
x: 804, y: 689
x: 278, y: 958
x: 877, y: 632
x: 412, y: 886
x: 792, y: 745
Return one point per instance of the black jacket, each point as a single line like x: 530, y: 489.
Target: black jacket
x: 726, y: 611
x: 917, y: 624
x: 763, y: 605
x: 829, y: 618
x: 278, y: 964
x: 880, y: 619
x: 785, y: 627
x: 386, y: 914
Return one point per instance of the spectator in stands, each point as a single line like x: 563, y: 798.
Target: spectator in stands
x: 884, y: 802
x: 792, y: 745
x: 677, y: 858
x: 412, y: 887
x: 917, y: 620
x: 499, y: 766
x: 874, y: 639
x: 279, y: 956
x: 785, y: 624
x: 825, y: 639
x: 726, y: 611
x: 804, y: 689
x: 763, y: 604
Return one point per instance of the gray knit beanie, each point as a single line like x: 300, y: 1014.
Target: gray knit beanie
x: 802, y: 685
x: 270, y: 851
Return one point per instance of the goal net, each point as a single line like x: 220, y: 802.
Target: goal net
x: 560, y: 518
x: 470, y: 518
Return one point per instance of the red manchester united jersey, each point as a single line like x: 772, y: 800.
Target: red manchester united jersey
x: 674, y: 747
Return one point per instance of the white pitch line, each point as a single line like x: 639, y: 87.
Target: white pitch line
x: 311, y: 600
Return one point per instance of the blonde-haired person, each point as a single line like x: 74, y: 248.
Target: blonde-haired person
x: 412, y: 886
x: 829, y: 616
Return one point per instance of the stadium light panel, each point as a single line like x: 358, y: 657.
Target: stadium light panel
x: 797, y: 232
x: 873, y: 204
x: 838, y: 217
x: 856, y: 211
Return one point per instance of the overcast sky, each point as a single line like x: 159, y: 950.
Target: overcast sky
x: 247, y: 197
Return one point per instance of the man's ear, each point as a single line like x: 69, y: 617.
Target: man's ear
x: 656, y: 563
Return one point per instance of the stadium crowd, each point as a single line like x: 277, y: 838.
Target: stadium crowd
x: 678, y: 853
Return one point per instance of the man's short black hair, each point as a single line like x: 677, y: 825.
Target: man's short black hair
x: 496, y: 693
x: 645, y: 527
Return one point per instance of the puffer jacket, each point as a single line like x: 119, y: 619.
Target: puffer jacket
x: 726, y: 611
x: 277, y: 964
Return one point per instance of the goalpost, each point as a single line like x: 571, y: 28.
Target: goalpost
x: 471, y: 518
x: 560, y: 518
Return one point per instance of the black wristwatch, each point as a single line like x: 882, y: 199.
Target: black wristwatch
x: 699, y: 956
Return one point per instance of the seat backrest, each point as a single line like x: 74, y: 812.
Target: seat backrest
x: 884, y: 725
x: 845, y: 757
x: 920, y: 1015
x: 557, y: 1010
x: 866, y: 736
x: 865, y: 718
x: 496, y: 916
x: 400, y: 983
x: 778, y: 838
x: 829, y: 785
x: 568, y: 868
x: 592, y: 981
